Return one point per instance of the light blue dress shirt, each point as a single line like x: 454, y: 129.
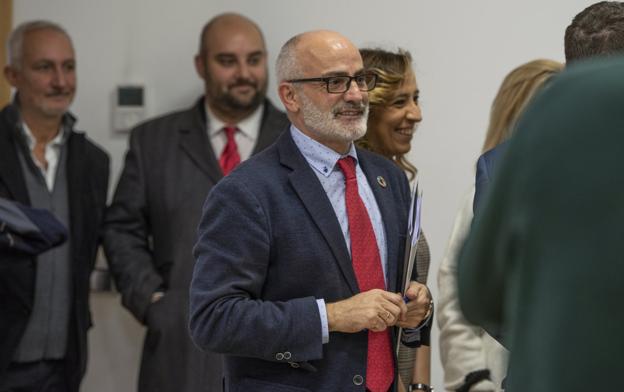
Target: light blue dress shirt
x: 322, y: 160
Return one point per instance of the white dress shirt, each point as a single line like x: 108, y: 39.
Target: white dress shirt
x: 52, y: 154
x: 246, y: 138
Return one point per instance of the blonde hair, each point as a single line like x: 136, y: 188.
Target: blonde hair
x: 517, y: 89
x: 392, y: 70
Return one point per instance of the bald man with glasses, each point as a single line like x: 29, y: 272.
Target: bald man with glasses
x: 299, y: 250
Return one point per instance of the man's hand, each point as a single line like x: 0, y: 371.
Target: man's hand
x: 374, y: 310
x: 418, y: 307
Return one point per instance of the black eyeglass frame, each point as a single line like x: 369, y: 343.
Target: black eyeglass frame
x: 327, y: 79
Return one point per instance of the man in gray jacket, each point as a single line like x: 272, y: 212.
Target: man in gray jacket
x: 45, y: 163
x: 172, y: 163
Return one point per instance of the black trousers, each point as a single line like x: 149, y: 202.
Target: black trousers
x: 39, y: 376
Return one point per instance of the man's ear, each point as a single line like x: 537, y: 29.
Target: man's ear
x: 200, y: 66
x: 288, y: 96
x: 10, y: 74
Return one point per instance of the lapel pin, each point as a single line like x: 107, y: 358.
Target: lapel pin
x: 381, y: 181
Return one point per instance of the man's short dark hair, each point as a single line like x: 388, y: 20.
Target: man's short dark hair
x: 597, y: 30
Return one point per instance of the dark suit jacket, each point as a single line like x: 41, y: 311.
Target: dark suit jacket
x: 549, y: 239
x: 270, y: 245
x: 151, y: 227
x: 486, y: 167
x: 87, y: 180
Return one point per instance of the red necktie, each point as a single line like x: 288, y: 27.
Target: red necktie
x: 369, y: 275
x: 229, y: 157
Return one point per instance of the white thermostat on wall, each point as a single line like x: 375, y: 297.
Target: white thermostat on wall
x: 129, y: 107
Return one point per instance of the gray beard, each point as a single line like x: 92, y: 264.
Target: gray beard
x: 324, y: 123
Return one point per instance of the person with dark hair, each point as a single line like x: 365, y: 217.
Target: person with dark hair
x: 46, y: 164
x: 393, y: 119
x: 172, y: 163
x: 540, y: 270
x: 597, y: 30
x: 549, y: 238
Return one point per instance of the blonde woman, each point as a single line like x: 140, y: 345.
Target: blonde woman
x: 472, y: 359
x: 393, y: 118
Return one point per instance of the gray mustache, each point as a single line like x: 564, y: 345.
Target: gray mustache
x: 350, y: 106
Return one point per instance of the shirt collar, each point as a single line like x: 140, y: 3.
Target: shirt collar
x: 58, y: 140
x: 322, y: 158
x: 67, y: 124
x: 249, y: 126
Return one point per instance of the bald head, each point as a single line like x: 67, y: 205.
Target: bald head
x: 306, y: 66
x: 232, y: 62
x: 303, y: 52
x: 225, y: 23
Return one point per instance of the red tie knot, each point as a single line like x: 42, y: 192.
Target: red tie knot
x: 230, y: 130
x: 347, y: 165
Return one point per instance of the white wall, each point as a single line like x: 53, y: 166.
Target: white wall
x: 462, y: 50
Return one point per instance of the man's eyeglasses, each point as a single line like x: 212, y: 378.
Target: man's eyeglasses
x: 341, y: 84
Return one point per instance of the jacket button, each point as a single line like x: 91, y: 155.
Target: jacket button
x: 287, y: 355
x: 294, y: 365
x: 358, y: 380
x: 279, y: 356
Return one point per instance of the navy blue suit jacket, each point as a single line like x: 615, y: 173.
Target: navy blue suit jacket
x: 486, y: 166
x: 270, y: 245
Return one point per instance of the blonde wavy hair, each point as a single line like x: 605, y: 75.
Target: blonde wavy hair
x: 391, y: 69
x: 517, y: 89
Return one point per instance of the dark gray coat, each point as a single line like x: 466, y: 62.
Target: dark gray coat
x: 151, y: 228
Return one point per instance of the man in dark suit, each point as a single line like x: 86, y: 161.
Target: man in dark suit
x: 172, y: 163
x: 300, y: 248
x: 45, y: 164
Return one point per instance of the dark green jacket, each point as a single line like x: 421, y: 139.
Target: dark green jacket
x: 545, y: 258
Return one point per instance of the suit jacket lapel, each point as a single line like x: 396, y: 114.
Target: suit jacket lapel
x: 315, y: 201
x: 194, y: 142
x: 10, y: 168
x: 387, y: 208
